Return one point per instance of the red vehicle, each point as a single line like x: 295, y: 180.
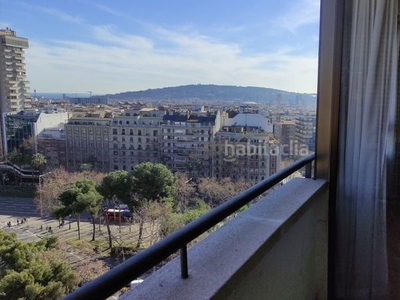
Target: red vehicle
x: 118, y: 215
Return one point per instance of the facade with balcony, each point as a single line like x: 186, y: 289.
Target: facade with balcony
x: 14, y: 87
x: 186, y: 139
x: 244, y: 152
x: 305, y: 130
x: 88, y: 141
x: 135, y: 138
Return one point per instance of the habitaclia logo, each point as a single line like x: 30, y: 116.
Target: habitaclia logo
x: 232, y: 151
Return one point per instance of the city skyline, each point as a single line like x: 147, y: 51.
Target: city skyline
x: 108, y: 47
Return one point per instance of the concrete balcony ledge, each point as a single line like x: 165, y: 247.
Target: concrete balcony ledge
x: 276, y: 249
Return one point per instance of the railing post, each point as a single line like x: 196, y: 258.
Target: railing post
x: 308, y: 168
x: 184, y: 262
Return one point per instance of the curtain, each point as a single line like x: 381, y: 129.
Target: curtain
x: 367, y: 113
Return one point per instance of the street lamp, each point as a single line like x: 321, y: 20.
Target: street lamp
x: 40, y: 192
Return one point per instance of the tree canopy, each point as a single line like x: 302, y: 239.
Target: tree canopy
x: 27, y: 273
x: 80, y: 196
x: 38, y: 162
x: 116, y: 185
x: 153, y: 181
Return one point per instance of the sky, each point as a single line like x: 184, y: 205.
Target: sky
x: 104, y: 46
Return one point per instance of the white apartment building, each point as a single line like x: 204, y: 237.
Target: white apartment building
x: 135, y: 138
x: 14, y: 89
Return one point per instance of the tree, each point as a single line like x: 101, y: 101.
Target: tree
x: 27, y: 148
x: 172, y: 221
x: 28, y: 273
x: 54, y: 184
x: 92, y: 160
x: 38, y: 162
x: 189, y: 166
x: 80, y: 196
x: 86, y: 167
x: 215, y: 192
x: 115, y: 185
x: 185, y: 191
x: 150, y: 182
x: 94, y: 205
x: 15, y: 157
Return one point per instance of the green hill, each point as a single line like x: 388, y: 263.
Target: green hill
x: 216, y: 92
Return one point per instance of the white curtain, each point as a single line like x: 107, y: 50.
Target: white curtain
x: 367, y: 109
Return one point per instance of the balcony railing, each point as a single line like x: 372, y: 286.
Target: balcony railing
x: 120, y: 276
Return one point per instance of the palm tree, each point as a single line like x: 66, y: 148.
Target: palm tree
x: 38, y: 162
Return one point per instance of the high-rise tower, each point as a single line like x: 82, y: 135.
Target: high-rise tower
x: 14, y: 89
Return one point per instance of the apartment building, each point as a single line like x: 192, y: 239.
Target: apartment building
x: 186, y: 139
x: 88, y: 140
x: 29, y: 124
x: 14, y: 89
x: 194, y: 142
x: 135, y: 138
x: 244, y: 152
x: 285, y: 133
x: 51, y: 143
x: 306, y: 130
x: 89, y: 100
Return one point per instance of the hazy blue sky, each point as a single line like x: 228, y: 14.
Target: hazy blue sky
x: 128, y: 45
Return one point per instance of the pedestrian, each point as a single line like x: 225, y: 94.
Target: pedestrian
x: 17, y: 221
x: 41, y: 227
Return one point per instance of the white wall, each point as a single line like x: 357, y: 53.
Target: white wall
x: 250, y: 120
x: 50, y: 121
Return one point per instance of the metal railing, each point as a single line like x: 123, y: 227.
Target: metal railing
x: 121, y: 275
